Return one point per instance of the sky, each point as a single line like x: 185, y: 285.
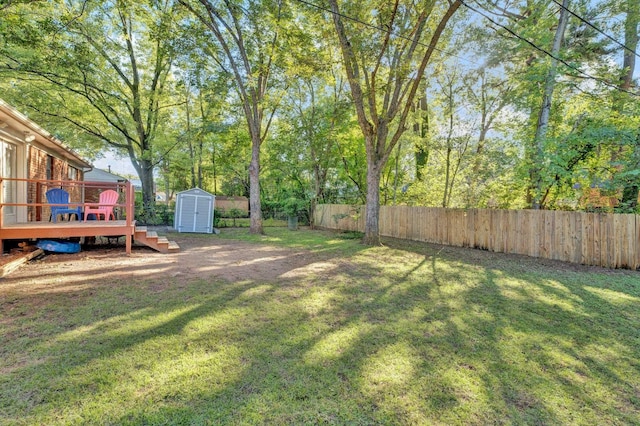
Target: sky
x: 119, y: 165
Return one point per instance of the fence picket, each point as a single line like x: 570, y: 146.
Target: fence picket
x: 495, y: 241
x: 624, y: 228
x: 636, y: 240
x: 586, y: 239
x: 597, y: 239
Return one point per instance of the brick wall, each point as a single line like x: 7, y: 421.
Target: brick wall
x: 39, y: 164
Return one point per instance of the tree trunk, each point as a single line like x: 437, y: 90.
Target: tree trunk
x: 254, y: 187
x: 190, y: 139
x: 535, y: 188
x: 201, y: 135
x: 145, y: 171
x: 319, y: 180
x: 396, y: 170
x: 474, y: 183
x: 422, y: 130
x: 485, y: 125
x: 451, y: 110
x: 447, y: 174
x: 630, y: 191
x: 398, y: 93
x: 631, y: 39
x: 372, y: 207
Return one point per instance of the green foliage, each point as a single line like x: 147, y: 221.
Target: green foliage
x: 220, y: 216
x: 85, y: 77
x: 160, y: 214
x: 221, y: 220
x: 293, y: 206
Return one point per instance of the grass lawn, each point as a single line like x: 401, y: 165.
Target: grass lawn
x: 245, y: 222
x: 406, y: 333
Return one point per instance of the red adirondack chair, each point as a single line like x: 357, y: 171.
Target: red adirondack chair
x: 108, y: 200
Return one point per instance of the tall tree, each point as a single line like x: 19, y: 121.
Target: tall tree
x: 384, y: 69
x: 630, y: 177
x: 248, y: 35
x: 205, y: 94
x: 535, y: 191
x: 532, y: 36
x: 421, y: 130
x: 455, y: 142
x: 631, y: 39
x: 488, y: 95
x: 99, y: 68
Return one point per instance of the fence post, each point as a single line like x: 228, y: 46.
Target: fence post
x: 598, y: 239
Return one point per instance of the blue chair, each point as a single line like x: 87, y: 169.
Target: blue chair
x: 61, y: 198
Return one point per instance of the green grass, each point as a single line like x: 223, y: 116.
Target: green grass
x: 401, y: 334
x: 245, y: 222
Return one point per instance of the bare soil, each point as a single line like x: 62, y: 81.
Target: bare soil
x: 199, y: 258
x: 208, y: 257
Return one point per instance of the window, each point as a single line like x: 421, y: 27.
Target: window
x: 72, y: 173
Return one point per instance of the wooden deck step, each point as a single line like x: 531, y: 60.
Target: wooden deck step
x: 157, y: 242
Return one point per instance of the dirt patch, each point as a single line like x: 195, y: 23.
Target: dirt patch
x: 199, y: 258
x: 209, y: 257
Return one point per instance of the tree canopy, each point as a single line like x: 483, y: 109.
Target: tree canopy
x: 486, y: 104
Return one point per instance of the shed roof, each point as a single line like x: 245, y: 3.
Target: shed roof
x: 196, y: 191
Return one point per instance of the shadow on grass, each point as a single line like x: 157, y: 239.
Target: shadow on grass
x: 405, y: 334
x: 556, y: 348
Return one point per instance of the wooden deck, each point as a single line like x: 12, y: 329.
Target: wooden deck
x: 68, y: 229
x: 33, y: 209
x: 34, y: 227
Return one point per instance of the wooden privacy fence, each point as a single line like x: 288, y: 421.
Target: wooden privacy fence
x: 599, y: 239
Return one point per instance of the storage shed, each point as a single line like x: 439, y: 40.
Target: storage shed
x: 194, y: 211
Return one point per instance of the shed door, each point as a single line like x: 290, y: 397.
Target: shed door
x: 202, y: 213
x: 195, y: 213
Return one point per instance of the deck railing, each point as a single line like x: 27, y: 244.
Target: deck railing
x: 25, y: 200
